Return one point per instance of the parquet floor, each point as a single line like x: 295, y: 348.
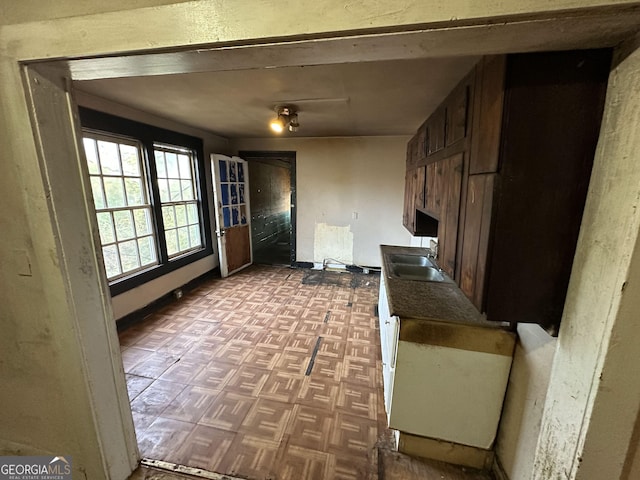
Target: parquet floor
x: 225, y: 379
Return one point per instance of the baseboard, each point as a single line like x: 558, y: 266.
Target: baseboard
x: 449, y: 452
x: 498, y: 470
x: 134, y: 317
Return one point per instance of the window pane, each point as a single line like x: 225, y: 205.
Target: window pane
x: 174, y: 190
x: 187, y: 190
x: 111, y: 262
x: 92, y: 157
x: 168, y: 217
x: 109, y: 159
x: 129, y: 255
x: 147, y: 250
x: 134, y: 191
x: 172, y: 165
x: 194, y: 236
x: 124, y: 225
x: 192, y: 213
x: 185, y: 166
x: 240, y: 172
x: 181, y: 215
x: 222, y: 168
x: 105, y: 225
x: 115, y: 192
x: 130, y: 160
x: 163, y: 187
x: 142, y: 219
x: 172, y: 242
x: 183, y: 238
x: 98, y: 194
x: 160, y: 165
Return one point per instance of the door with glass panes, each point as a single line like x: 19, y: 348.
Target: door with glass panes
x: 233, y: 219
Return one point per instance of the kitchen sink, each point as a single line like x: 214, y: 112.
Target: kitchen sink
x: 408, y: 259
x: 421, y: 273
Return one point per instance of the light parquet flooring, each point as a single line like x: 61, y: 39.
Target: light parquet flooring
x: 221, y: 379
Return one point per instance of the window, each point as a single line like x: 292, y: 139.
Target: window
x: 151, y: 207
x: 175, y: 173
x: 121, y: 198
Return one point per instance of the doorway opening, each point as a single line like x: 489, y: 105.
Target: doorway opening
x: 272, y: 187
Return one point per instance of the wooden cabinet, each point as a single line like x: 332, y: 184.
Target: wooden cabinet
x: 538, y: 134
x: 450, y: 187
x: 436, y: 127
x: 500, y: 172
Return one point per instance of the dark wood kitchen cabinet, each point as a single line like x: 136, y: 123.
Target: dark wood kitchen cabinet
x: 534, y: 140
x: 500, y: 173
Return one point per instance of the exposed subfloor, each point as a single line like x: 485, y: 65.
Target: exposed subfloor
x: 223, y: 380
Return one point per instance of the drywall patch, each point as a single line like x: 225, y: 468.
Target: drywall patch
x: 332, y: 242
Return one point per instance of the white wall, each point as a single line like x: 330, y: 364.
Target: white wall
x: 139, y: 297
x: 338, y: 179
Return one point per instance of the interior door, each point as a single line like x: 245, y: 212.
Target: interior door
x: 233, y: 228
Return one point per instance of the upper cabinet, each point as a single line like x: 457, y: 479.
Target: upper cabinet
x: 506, y: 171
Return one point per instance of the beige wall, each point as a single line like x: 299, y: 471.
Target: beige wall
x: 338, y: 179
x: 59, y: 355
x: 141, y: 296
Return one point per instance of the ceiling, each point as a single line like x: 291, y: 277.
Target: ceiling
x: 390, y: 97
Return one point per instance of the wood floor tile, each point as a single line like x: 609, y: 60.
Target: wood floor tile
x: 358, y: 400
x: 359, y: 372
x: 299, y: 463
x: 162, y: 439
x: 247, y: 381
x: 293, y: 362
x: 268, y: 419
x: 262, y: 357
x: 233, y: 352
x: 156, y: 397
x: 328, y: 368
x: 251, y: 457
x: 154, y: 365
x: 205, y: 447
x: 318, y: 392
x: 301, y: 343
x: 310, y: 427
x: 190, y: 404
x: 233, y: 394
x: 198, y: 328
x: 352, y: 435
x: 132, y: 356
x: 154, y: 340
x: 227, y: 411
x: 331, y: 347
x: 136, y: 384
x: 215, y: 375
x: 282, y: 386
x: 179, y: 344
x: 141, y: 422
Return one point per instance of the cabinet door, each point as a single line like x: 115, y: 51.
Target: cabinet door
x: 436, y: 127
x: 408, y: 214
x: 450, y: 212
x: 419, y: 188
x: 487, y: 115
x: 434, y: 188
x: 456, y: 128
x: 475, y: 241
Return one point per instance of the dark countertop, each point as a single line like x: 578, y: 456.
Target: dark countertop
x: 440, y: 301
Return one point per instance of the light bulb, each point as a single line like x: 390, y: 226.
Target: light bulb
x: 277, y: 125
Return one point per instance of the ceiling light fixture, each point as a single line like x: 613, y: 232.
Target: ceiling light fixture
x: 286, y: 117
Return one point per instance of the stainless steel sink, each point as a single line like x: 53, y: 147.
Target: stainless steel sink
x: 408, y: 259
x: 421, y: 273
